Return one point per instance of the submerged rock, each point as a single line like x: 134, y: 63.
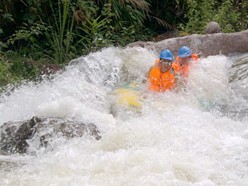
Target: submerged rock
x: 14, y: 136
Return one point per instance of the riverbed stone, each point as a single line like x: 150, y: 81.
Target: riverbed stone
x: 14, y: 136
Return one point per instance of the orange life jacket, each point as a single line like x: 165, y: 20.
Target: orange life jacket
x: 183, y: 70
x: 161, y: 81
x: 194, y: 57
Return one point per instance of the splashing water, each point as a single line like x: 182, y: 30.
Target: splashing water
x: 192, y: 137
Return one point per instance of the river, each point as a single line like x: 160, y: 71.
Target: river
x: 194, y: 137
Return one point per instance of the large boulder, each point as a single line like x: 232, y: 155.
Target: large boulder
x: 14, y: 136
x: 209, y: 44
x: 212, y: 27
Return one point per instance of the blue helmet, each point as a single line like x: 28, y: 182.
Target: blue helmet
x: 166, y: 54
x: 184, y: 52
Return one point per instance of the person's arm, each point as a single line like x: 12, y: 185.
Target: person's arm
x: 147, y: 74
x: 195, y: 57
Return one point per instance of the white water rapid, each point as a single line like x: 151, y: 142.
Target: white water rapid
x: 194, y: 137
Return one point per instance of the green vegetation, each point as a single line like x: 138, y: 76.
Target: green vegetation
x: 37, y: 32
x: 230, y: 14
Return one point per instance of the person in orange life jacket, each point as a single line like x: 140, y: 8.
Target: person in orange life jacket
x: 161, y: 75
x: 182, y: 62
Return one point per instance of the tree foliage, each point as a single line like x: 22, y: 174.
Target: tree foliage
x: 60, y: 30
x: 230, y: 14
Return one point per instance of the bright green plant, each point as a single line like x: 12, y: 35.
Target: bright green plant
x: 95, y: 33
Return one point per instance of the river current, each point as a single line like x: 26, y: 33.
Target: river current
x: 197, y: 136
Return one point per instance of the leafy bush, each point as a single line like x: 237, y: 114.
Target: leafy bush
x: 6, y: 76
x: 15, y: 68
x: 236, y: 18
x: 231, y: 15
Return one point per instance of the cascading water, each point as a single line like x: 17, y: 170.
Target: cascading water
x: 194, y: 136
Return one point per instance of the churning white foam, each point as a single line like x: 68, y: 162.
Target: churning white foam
x: 177, y: 139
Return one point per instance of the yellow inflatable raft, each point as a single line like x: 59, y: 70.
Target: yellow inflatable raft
x: 128, y: 96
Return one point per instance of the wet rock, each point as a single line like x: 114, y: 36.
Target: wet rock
x: 209, y: 44
x: 50, y: 69
x: 14, y: 136
x: 166, y: 35
x: 212, y: 27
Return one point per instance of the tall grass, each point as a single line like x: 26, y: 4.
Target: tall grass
x: 61, y: 28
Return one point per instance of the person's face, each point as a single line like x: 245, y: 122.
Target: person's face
x: 185, y: 60
x: 165, y: 65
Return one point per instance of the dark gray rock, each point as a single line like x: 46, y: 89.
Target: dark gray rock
x: 14, y: 136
